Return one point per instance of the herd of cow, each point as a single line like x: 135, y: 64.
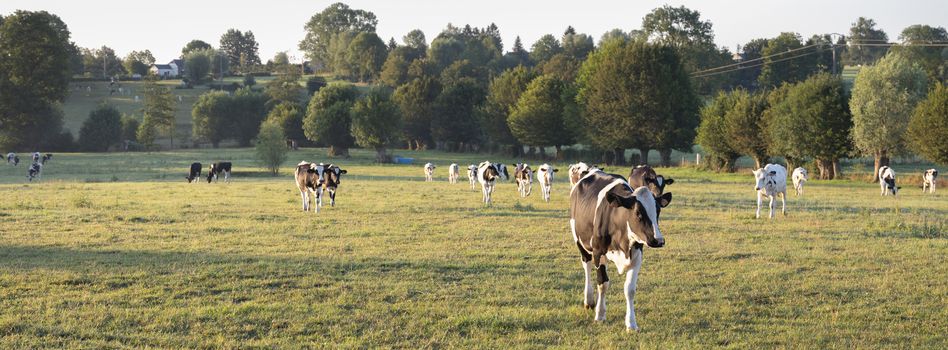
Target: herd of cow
x: 219, y: 168
x: 36, y: 168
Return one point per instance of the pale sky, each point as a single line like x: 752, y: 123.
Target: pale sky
x: 164, y: 27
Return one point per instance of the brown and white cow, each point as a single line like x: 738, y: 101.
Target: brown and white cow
x: 545, y: 178
x: 524, y: 176
x: 217, y: 169
x: 332, y: 177
x: 194, y: 173
x: 612, y: 222
x: 309, y: 180
x: 929, y: 179
x: 644, y: 175
x: 577, y: 171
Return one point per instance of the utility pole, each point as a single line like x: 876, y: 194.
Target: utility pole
x: 833, y: 47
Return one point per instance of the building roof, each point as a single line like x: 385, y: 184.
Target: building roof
x: 162, y: 66
x: 177, y: 62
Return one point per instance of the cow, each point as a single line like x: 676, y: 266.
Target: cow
x: 501, y: 171
x: 12, y: 158
x: 195, y: 173
x: 610, y: 221
x: 644, y: 175
x: 545, y: 178
x: 331, y: 178
x: 771, y: 181
x: 887, y: 181
x: 487, y: 174
x: 524, y: 177
x: 929, y: 179
x: 216, y: 169
x: 472, y: 175
x: 47, y: 157
x: 454, y: 171
x: 309, y: 180
x: 34, y: 171
x: 799, y: 178
x: 429, y: 172
x: 577, y: 171
x: 36, y: 157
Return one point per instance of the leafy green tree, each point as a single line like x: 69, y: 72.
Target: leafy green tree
x: 314, y: 83
x: 333, y: 20
x: 463, y: 70
x: 934, y: 60
x: 518, y: 55
x: 129, y: 128
x: 195, y: 45
x: 240, y: 48
x: 376, y: 122
x: 199, y: 64
x: 249, y: 109
x: 864, y: 32
x: 502, y: 96
x: 289, y: 116
x: 415, y: 40
x: 210, y: 117
x: 928, y: 128
x: 286, y: 88
x: 540, y: 116
x: 101, y: 130
x: 415, y: 100
x: 138, y: 62
x: 270, y: 148
x: 748, y: 76
x: 102, y: 62
x: 329, y: 119
x: 445, y: 50
x: 545, y: 48
x: 693, y: 38
x: 454, y: 122
x: 746, y: 127
x: 159, y: 109
x: 883, y: 98
x: 563, y: 66
x: 776, y: 72
x: 713, y: 133
x: 281, y: 59
x: 34, y: 77
x: 249, y: 80
x: 813, y: 121
x: 366, y: 55
x: 395, y: 69
x: 576, y: 46
x: 615, y: 34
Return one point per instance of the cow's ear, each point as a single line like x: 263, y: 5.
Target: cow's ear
x: 669, y: 181
x: 555, y: 170
x: 665, y: 199
x: 620, y: 201
x: 343, y: 171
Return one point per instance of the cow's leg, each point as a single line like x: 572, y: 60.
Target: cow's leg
x: 332, y: 197
x: 772, y: 205
x: 882, y: 187
x: 305, y: 196
x: 602, y: 280
x: 759, y: 199
x: 589, y: 300
x: 783, y: 203
x: 631, y: 280
x: 318, y: 202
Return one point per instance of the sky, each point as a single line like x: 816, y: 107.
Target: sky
x: 165, y: 27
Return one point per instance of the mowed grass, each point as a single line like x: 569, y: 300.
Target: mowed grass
x: 151, y: 261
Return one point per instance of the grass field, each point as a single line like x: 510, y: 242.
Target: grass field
x: 117, y: 250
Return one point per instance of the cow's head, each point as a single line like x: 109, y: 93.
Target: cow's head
x: 210, y: 173
x: 501, y: 170
x: 490, y: 171
x: 764, y: 178
x: 640, y: 210
x: 333, y: 175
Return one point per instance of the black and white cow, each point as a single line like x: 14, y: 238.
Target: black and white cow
x: 644, y: 175
x: 771, y: 181
x: 487, y: 175
x: 887, y: 181
x: 501, y: 171
x: 429, y: 172
x: 612, y: 222
x: 331, y: 178
x: 217, y: 169
x: 47, y: 157
x: 524, y: 177
x: 577, y: 171
x: 34, y: 172
x: 309, y: 180
x: 13, y: 159
x: 36, y: 157
x: 194, y: 173
x: 799, y: 177
x: 929, y: 179
x: 454, y: 172
x: 545, y: 178
x: 472, y: 175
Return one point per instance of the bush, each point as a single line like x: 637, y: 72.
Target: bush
x: 314, y: 83
x: 249, y: 80
x: 101, y: 130
x: 271, y: 149
x: 928, y: 128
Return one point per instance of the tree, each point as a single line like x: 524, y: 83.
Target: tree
x: 416, y: 100
x: 376, y: 122
x: 615, y: 34
x: 563, y: 66
x: 210, y: 117
x: 544, y: 49
x: 366, y: 54
x: 102, y: 62
x: 138, y: 62
x: 288, y: 116
x: 928, y: 128
x: 540, y: 116
x: 328, y: 118
x: 778, y: 69
x: 286, y: 88
x: 330, y: 22
x: 502, y: 96
x: 199, y: 64
x: 934, y: 60
x: 249, y: 109
x: 713, y: 135
x: 101, y: 130
x: 195, y: 45
x: 518, y: 55
x: 240, y: 48
x: 454, y: 122
x: 159, y: 110
x: 314, y: 83
x: 129, y: 128
x: 576, y: 46
x: 395, y: 69
x: 249, y: 80
x: 270, y: 148
x: 883, y: 98
x: 748, y: 76
x: 746, y: 127
x: 281, y: 59
x: 415, y: 39
x: 34, y: 77
x: 445, y: 50
x: 813, y: 121
x: 864, y: 32
x: 693, y: 38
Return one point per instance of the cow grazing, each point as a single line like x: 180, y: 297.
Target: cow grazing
x: 454, y: 171
x: 36, y: 157
x: 13, y: 159
x: 771, y: 181
x: 217, y: 169
x: 524, y: 176
x: 487, y: 175
x: 331, y: 178
x: 195, y: 173
x: 472, y: 175
x: 429, y: 171
x: 644, y: 175
x: 545, y: 178
x: 34, y: 171
x: 799, y: 178
x: 887, y: 181
x: 501, y: 171
x: 929, y: 179
x: 46, y: 158
x: 309, y: 180
x: 577, y: 171
x: 612, y: 222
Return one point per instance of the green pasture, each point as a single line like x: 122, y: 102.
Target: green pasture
x: 118, y: 251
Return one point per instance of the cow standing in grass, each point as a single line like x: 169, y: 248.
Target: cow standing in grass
x: 524, y: 176
x: 545, y: 178
x: 454, y: 172
x: 501, y: 171
x: 46, y: 157
x: 309, y: 180
x: 644, y: 175
x: 799, y: 178
x: 36, y: 157
x: 929, y: 179
x: 332, y: 176
x: 887, y: 181
x: 194, y: 174
x: 577, y: 171
x: 217, y: 169
x: 13, y: 159
x: 34, y: 171
x: 612, y: 222
x: 487, y: 175
x: 429, y: 172
x: 472, y: 176
x: 771, y: 181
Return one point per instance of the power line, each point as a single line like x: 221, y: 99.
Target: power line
x: 755, y: 65
x: 754, y: 60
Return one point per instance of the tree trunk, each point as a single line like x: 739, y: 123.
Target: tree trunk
x: 531, y: 151
x: 380, y: 155
x: 608, y: 158
x: 821, y: 165
x: 666, y: 155
x: 559, y: 152
x: 758, y: 163
x: 881, y: 160
x: 836, y: 173
x: 619, y: 156
x: 542, y: 152
x: 643, y: 156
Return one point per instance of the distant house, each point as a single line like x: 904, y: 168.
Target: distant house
x: 178, y: 66
x: 164, y: 70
